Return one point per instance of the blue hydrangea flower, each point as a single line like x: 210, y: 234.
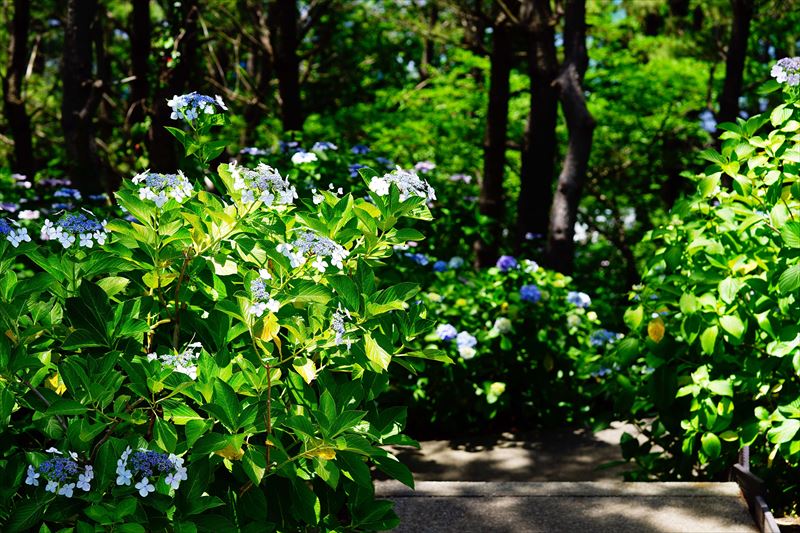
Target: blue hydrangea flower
x: 446, y: 332
x: 75, y: 226
x: 455, y: 263
x: 407, y: 182
x: 354, y: 168
x: 73, y: 194
x: 787, y: 70
x: 263, y: 183
x: 420, y: 259
x: 323, y: 145
x: 192, y: 105
x: 288, y: 146
x: 530, y: 293
x: 602, y: 337
x: 466, y: 345
x: 13, y: 233
x: 424, y: 166
x: 161, y: 187
x: 62, y: 474
x: 260, y: 295
x: 506, y: 263
x: 579, y: 299
x: 360, y: 149
x: 440, y: 266
x: 388, y: 163
x: 252, y: 150
x: 150, y: 465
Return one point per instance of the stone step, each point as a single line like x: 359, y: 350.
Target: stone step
x: 583, y: 507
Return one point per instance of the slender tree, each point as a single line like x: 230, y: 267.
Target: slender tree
x: 140, y: 36
x: 491, y: 201
x: 560, y: 252
x: 172, y: 80
x: 734, y: 60
x: 283, y: 19
x: 19, y: 122
x: 81, y: 97
x: 540, y: 145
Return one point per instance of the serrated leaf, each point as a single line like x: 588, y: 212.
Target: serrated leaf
x: 733, y: 325
x: 708, y: 339
x: 789, y: 280
x: 375, y: 353
x: 633, y: 317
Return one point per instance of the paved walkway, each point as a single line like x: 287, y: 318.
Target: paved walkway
x: 550, y: 482
x: 585, y: 507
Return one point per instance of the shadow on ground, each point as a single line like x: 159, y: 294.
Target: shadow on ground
x: 558, y: 455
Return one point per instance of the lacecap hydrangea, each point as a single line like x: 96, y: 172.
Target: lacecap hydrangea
x: 262, y: 301
x: 787, y: 70
x: 183, y: 363
x: 192, y: 105
x: 13, y: 233
x: 75, y: 227
x: 62, y: 474
x: 408, y: 183
x: 145, y: 467
x: 161, y: 187
x: 263, y: 183
x: 309, y: 244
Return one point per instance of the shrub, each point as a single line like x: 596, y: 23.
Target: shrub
x: 712, y: 361
x: 210, y: 363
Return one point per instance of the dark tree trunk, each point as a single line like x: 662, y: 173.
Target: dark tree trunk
x: 491, y: 202
x: 428, y: 48
x: 17, y: 117
x: 140, y: 33
x: 560, y: 252
x: 540, y: 146
x: 81, y: 97
x: 161, y: 146
x: 283, y: 17
x: 734, y: 60
x: 260, y: 69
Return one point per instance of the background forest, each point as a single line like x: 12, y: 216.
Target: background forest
x: 587, y: 157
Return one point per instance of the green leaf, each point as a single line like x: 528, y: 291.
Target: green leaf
x: 785, y: 432
x: 733, y: 325
x: 689, y: 303
x: 728, y: 289
x: 633, y: 317
x: 711, y: 445
x: 721, y: 387
x: 375, y: 353
x: 790, y: 232
x: 254, y: 463
x: 346, y: 290
x: 708, y: 339
x: 65, y: 407
x: 395, y: 469
x: 226, y: 407
x: 165, y: 435
x: 113, y: 285
x: 789, y: 280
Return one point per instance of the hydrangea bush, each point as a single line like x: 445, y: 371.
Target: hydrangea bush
x: 212, y: 361
x: 713, y: 357
x: 528, y: 350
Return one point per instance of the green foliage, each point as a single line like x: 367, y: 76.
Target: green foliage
x: 162, y: 339
x: 715, y: 365
x: 537, y: 361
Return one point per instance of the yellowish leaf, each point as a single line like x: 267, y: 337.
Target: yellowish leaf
x: 267, y: 328
x: 549, y: 363
x: 326, y: 453
x: 55, y: 384
x: 231, y: 453
x: 655, y: 329
x: 306, y: 368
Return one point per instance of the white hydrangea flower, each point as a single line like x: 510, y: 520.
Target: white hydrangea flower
x: 263, y: 183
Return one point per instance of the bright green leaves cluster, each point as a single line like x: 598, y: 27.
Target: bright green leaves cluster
x: 725, y: 285
x: 274, y: 410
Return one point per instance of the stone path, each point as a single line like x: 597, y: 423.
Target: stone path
x: 552, y: 507
x: 549, y: 482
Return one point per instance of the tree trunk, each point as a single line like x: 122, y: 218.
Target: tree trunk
x: 18, y: 121
x: 260, y: 70
x: 560, y: 252
x: 734, y: 60
x: 491, y: 202
x: 540, y: 145
x: 81, y: 97
x: 140, y: 32
x: 428, y: 46
x: 161, y: 146
x: 283, y: 17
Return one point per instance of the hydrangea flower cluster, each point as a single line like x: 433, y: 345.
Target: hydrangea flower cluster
x: 407, y: 182
x: 501, y: 325
x: 321, y: 146
x: 313, y: 244
x: 63, y: 474
x: 263, y: 183
x: 360, y: 149
x: 13, y: 234
x: 440, y: 266
x: 340, y: 316
x: 530, y: 293
x: 506, y: 263
x: 72, y: 194
x: 787, y: 70
x: 579, y: 299
x: 161, y: 187
x: 150, y: 465
x: 353, y: 168
x: 75, y: 226
x: 301, y: 157
x: 184, y: 362
x: 192, y: 105
x: 260, y: 295
x: 424, y: 166
x: 602, y: 337
x: 446, y: 332
x: 466, y: 345
x: 253, y: 150
x: 420, y: 259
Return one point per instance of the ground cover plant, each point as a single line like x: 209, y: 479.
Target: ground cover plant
x: 711, y: 363
x: 210, y: 362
